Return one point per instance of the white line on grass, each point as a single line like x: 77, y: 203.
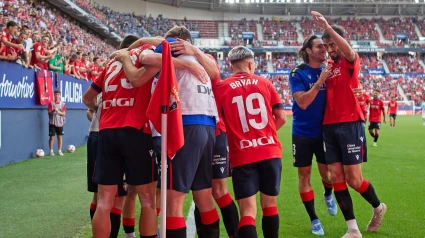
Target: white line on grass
x: 190, y: 222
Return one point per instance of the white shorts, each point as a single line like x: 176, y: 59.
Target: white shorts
x: 423, y: 115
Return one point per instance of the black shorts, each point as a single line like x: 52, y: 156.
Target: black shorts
x: 125, y: 150
x: 92, y: 150
x: 220, y: 163
x: 191, y: 167
x: 304, y: 148
x: 263, y: 176
x: 393, y: 115
x: 344, y: 142
x: 374, y: 125
x: 156, y: 145
x: 54, y: 130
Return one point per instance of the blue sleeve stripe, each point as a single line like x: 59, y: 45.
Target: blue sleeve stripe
x: 97, y: 88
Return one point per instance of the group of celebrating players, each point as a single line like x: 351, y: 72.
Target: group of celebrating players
x: 230, y: 122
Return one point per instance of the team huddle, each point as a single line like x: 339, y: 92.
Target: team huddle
x: 230, y: 129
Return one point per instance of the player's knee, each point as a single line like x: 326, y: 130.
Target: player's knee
x: 147, y: 200
x: 354, y: 182
x: 219, y: 188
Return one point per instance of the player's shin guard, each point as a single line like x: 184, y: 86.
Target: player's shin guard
x: 368, y: 193
x: 229, y: 213
x: 328, y: 188
x: 210, y: 224
x: 376, y: 137
x: 343, y: 198
x: 115, y: 216
x: 246, y: 227
x: 176, y: 227
x: 270, y: 223
x: 92, y: 210
x: 128, y: 224
x: 308, y: 200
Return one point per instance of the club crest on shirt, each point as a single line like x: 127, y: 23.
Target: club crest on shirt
x: 174, y: 98
x: 335, y: 72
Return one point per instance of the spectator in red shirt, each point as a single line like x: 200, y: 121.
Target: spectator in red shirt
x: 41, y: 54
x: 94, y: 69
x: 74, y: 66
x: 6, y: 39
x: 83, y: 66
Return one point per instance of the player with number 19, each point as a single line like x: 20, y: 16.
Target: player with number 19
x: 253, y: 112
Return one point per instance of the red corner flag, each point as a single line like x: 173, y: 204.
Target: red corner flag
x: 165, y: 100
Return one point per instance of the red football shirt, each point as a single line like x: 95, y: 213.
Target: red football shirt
x: 363, y: 101
x: 122, y: 105
x: 82, y: 65
x: 341, y: 104
x: 247, y: 102
x: 376, y: 109
x: 6, y: 49
x: 220, y: 125
x: 393, y: 107
x: 93, y: 68
x: 34, y: 61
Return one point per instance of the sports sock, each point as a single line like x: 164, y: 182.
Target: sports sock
x: 115, y: 216
x: 211, y: 224
x: 308, y: 200
x: 368, y: 193
x: 343, y: 198
x: 229, y: 213
x: 198, y: 222
x: 376, y: 137
x: 372, y: 134
x: 328, y: 188
x: 352, y: 224
x: 128, y: 224
x: 246, y: 227
x: 270, y: 222
x: 176, y: 227
x: 92, y: 210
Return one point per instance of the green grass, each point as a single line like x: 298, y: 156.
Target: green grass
x: 48, y: 198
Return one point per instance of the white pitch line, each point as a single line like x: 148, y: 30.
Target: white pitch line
x: 190, y: 222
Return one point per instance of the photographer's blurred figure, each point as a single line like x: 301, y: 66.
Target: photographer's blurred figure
x: 57, y: 110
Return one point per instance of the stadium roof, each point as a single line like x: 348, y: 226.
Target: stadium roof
x: 303, y: 7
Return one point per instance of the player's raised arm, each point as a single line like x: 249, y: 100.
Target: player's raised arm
x: 342, y: 44
x: 155, y: 59
x: 186, y: 48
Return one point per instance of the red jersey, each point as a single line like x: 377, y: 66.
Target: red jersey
x: 34, y: 61
x: 393, y: 107
x: 363, y: 101
x: 376, y: 109
x: 82, y: 65
x: 6, y: 50
x: 122, y: 105
x: 220, y: 125
x: 93, y: 68
x: 341, y: 104
x: 247, y: 103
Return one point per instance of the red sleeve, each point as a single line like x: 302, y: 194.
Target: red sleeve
x: 38, y: 48
x: 3, y: 35
x: 64, y: 108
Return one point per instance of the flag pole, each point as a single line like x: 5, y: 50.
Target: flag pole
x: 164, y: 167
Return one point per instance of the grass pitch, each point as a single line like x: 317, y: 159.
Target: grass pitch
x: 47, y: 197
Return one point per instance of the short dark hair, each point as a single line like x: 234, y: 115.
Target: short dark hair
x: 95, y: 58
x: 84, y: 54
x: 308, y: 43
x: 179, y: 31
x: 337, y: 29
x: 11, y: 24
x: 377, y: 90
x: 128, y: 40
x: 57, y: 91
